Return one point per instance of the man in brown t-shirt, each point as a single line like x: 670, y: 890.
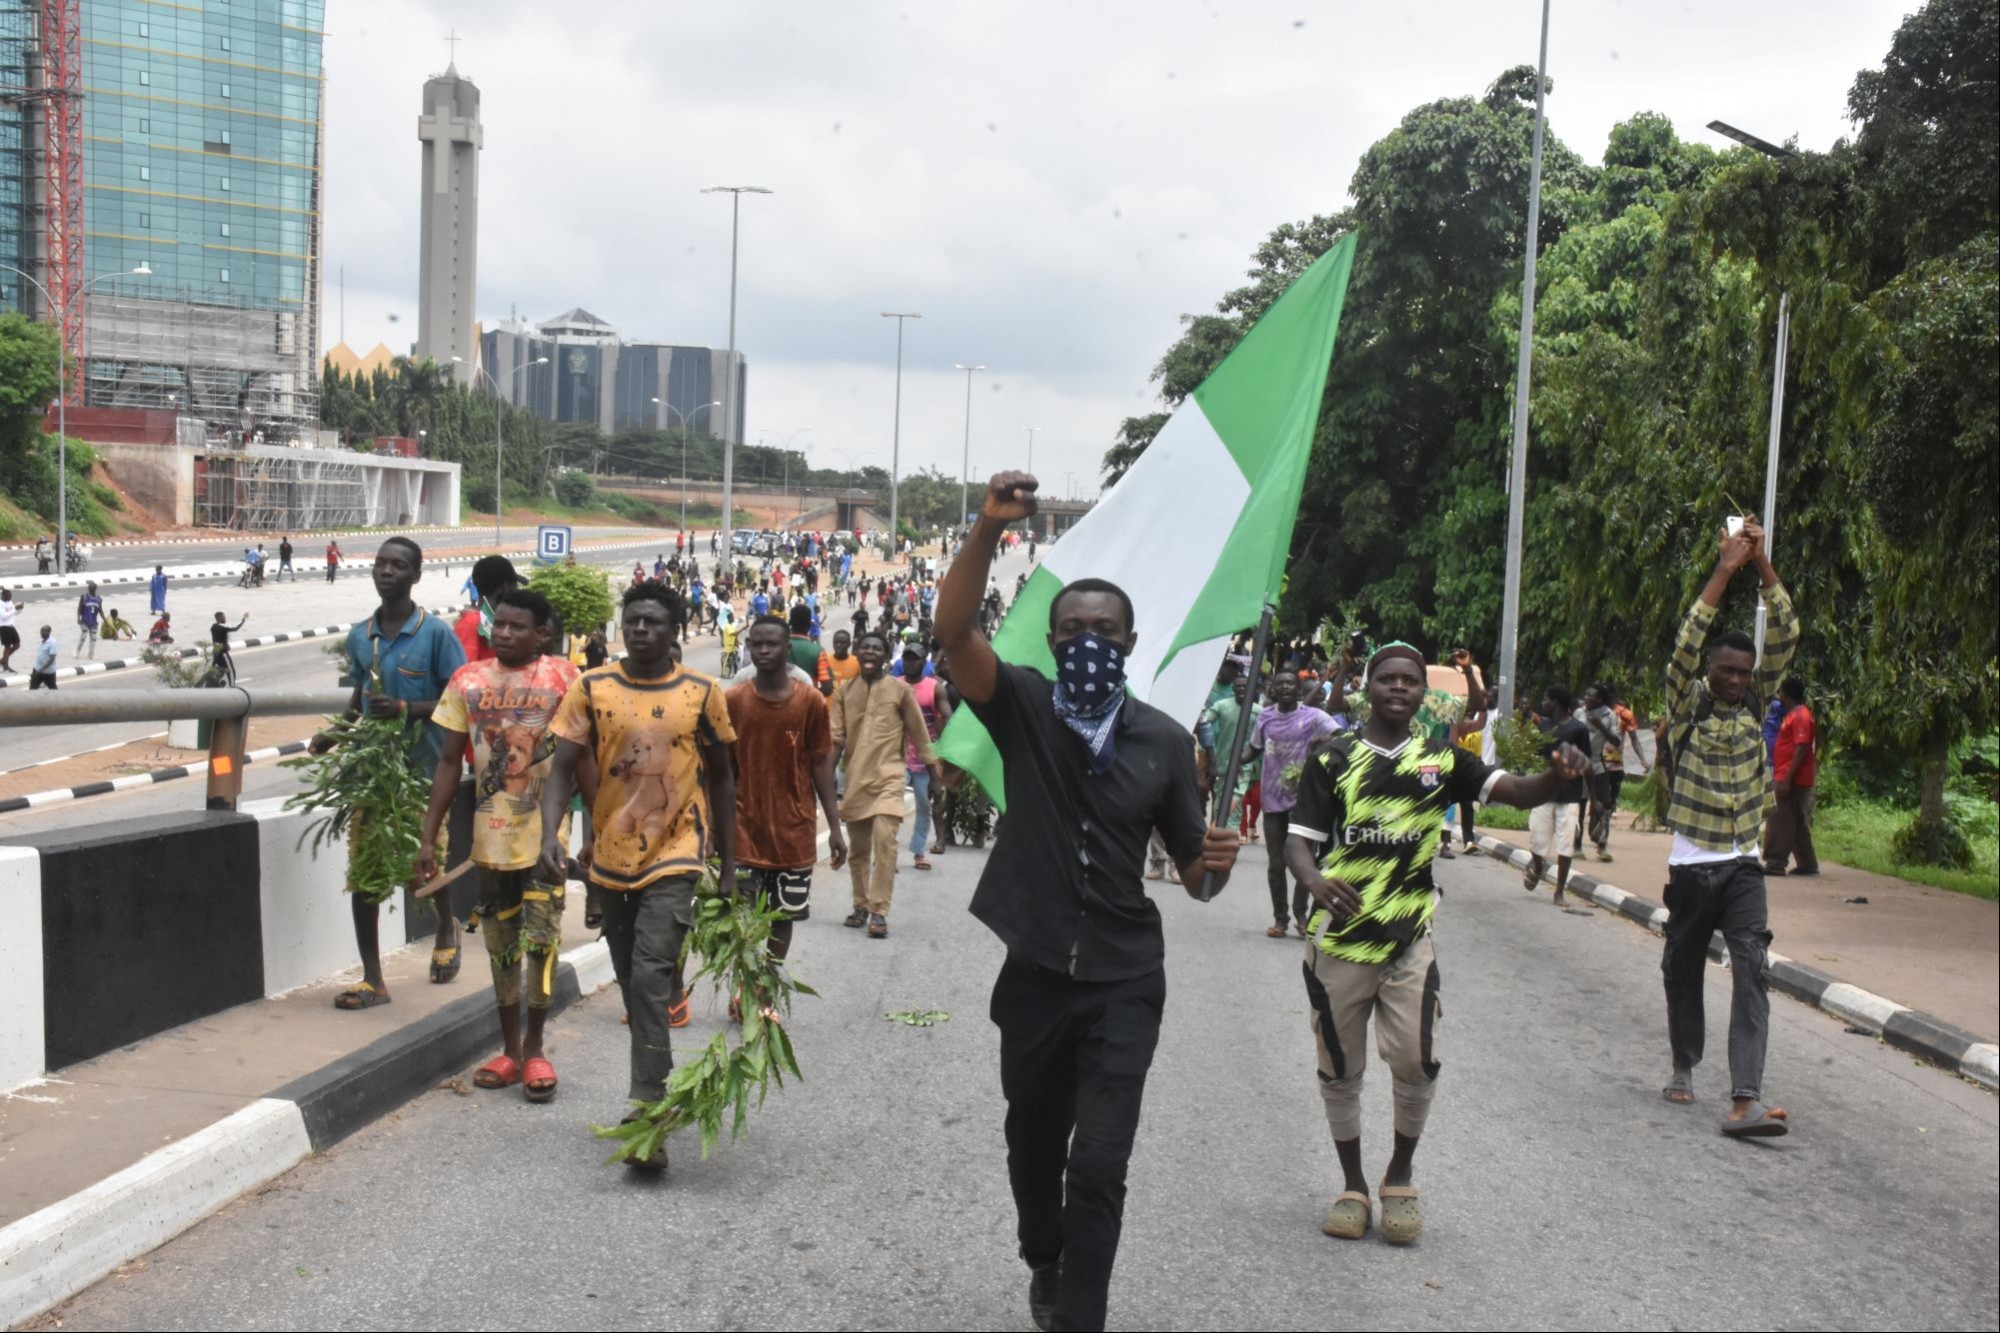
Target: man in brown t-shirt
x: 784, y: 759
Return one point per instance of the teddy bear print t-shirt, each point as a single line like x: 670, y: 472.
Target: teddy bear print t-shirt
x: 504, y: 713
x: 651, y: 818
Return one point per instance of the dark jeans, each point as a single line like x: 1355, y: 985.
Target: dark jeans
x: 1604, y: 789
x: 644, y: 928
x: 1278, y: 826
x: 1073, y: 1062
x: 1727, y: 896
x: 1788, y: 832
x: 41, y: 680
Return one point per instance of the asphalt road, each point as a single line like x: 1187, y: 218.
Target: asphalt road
x: 310, y: 553
x: 1560, y: 1191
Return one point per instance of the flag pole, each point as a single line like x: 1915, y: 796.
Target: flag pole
x: 1225, y: 790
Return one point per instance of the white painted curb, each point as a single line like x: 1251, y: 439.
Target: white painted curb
x: 592, y: 962
x: 1981, y: 1064
x: 51, y: 1255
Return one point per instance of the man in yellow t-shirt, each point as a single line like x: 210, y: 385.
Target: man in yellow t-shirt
x: 657, y: 735
x: 500, y: 708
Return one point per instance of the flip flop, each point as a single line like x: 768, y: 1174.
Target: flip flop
x: 445, y: 963
x: 1762, y: 1122
x: 922, y: 864
x: 499, y: 1072
x: 1350, y: 1216
x: 538, y: 1080
x: 1277, y: 932
x: 360, y: 995
x: 1680, y: 1088
x: 679, y: 1015
x: 1402, y: 1219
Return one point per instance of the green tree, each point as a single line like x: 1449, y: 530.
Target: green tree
x: 580, y: 594
x: 576, y: 488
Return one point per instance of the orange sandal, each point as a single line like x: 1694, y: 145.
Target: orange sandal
x: 679, y: 1015
x: 499, y: 1072
x: 539, y: 1081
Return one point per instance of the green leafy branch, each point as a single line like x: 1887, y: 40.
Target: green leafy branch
x: 732, y: 935
x: 365, y: 780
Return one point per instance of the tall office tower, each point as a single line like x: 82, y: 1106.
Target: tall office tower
x: 200, y: 159
x: 448, y: 227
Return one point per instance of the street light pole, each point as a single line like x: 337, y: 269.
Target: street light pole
x: 143, y: 270
x: 499, y: 442
x: 1031, y: 447
x: 685, y: 419
x: 896, y: 434
x: 730, y: 425
x: 965, y: 459
x: 1783, y: 350
x: 1517, y: 478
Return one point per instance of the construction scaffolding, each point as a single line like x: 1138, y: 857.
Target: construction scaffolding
x: 293, y: 490
x: 244, y: 371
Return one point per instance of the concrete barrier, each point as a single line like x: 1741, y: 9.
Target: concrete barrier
x: 21, y: 1042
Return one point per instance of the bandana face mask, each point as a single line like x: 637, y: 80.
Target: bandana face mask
x: 1090, y: 686
x: 1090, y: 673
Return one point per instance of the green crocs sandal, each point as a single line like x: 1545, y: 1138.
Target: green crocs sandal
x: 1350, y: 1216
x: 1402, y: 1220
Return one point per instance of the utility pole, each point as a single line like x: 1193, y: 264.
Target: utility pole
x: 896, y: 434
x: 732, y: 423
x: 1517, y: 477
x: 965, y: 459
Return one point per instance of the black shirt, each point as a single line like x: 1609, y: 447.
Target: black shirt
x: 1064, y: 888
x: 1569, y: 731
x: 218, y: 634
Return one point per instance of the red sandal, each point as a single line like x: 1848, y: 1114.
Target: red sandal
x: 499, y: 1072
x: 539, y: 1082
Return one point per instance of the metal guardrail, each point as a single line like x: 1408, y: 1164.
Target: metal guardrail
x: 227, y: 708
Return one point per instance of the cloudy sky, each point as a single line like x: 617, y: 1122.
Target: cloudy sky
x: 1050, y: 185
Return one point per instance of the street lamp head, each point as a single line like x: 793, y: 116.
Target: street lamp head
x: 457, y: 360
x: 956, y: 366
x: 734, y: 189
x: 539, y: 361
x: 901, y: 314
x: 144, y: 270
x: 1750, y: 140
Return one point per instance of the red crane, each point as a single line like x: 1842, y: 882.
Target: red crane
x: 62, y: 170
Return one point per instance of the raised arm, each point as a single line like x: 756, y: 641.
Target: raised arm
x: 1010, y: 497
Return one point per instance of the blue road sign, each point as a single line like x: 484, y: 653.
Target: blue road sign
x: 552, y: 543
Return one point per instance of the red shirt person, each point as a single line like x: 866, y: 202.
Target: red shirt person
x: 1795, y: 772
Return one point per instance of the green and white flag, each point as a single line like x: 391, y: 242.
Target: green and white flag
x: 1198, y: 530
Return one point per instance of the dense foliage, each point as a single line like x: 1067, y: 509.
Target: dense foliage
x: 29, y: 499
x: 1660, y: 276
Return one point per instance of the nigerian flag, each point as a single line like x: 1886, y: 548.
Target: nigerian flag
x: 1198, y: 530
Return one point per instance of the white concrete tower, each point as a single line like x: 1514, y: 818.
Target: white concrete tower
x: 449, y: 222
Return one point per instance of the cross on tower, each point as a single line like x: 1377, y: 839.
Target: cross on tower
x: 452, y: 40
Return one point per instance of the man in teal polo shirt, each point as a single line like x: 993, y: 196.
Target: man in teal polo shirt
x: 400, y: 660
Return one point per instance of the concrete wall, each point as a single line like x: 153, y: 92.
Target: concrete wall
x: 160, y: 477
x: 20, y: 966
x: 113, y: 932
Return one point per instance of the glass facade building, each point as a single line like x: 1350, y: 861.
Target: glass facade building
x: 202, y: 159
x: 593, y: 375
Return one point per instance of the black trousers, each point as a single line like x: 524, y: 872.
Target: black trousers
x: 1073, y: 1062
x: 1285, y: 896
x: 1701, y: 899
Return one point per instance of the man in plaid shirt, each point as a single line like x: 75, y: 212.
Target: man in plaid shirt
x: 1721, y: 791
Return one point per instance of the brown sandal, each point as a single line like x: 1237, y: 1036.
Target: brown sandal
x: 1276, y: 932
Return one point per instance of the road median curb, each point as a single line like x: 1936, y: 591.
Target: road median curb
x: 1943, y: 1044
x: 50, y: 1255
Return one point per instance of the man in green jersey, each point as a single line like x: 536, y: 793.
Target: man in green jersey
x: 1363, y: 835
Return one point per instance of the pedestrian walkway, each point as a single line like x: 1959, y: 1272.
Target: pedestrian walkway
x: 91, y: 1120
x: 1928, y: 948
